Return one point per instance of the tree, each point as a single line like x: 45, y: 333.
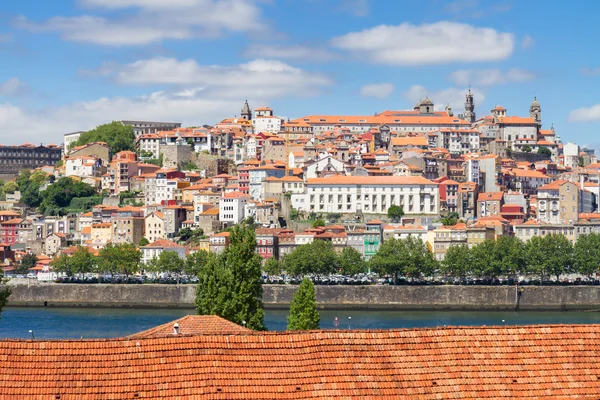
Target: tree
x: 168, y: 262
x: 457, y: 261
x: 195, y: 262
x: 546, y: 152
x: 82, y: 261
x: 303, y: 308
x: 38, y: 177
x: 61, y: 264
x: 185, y: 234
x: 116, y: 135
x: 451, y: 219
x: 143, y: 242
x: 318, y: 223
x: 549, y: 255
x: 189, y: 166
x: 419, y: 260
x: 10, y: 187
x: 31, y: 196
x: 509, y: 254
x: 483, y: 262
x: 4, y: 291
x: 230, y: 283
x: 294, y: 214
x: 351, y: 261
x: 526, y: 148
x: 317, y: 257
x: 28, y: 261
x: 587, y: 254
x: 395, y: 213
x: 409, y: 257
x: 250, y: 220
x: 120, y: 258
x: 272, y: 267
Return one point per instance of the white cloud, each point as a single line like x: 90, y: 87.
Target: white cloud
x: 490, y: 77
x: 528, y: 42
x: 380, y: 90
x: 358, y: 8
x: 291, y: 52
x: 154, y: 21
x: 590, y: 71
x: 13, y: 87
x: 192, y: 107
x: 269, y: 78
x: 455, y: 97
x: 438, y: 43
x: 585, y: 114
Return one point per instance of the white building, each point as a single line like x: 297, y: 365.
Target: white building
x: 232, y: 207
x: 265, y: 121
x: 70, y: 138
x: 313, y: 169
x: 83, y: 166
x: 154, y: 226
x: 472, y: 170
x: 371, y: 194
x: 571, y: 155
x: 149, y: 142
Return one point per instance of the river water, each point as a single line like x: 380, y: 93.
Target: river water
x: 75, y: 323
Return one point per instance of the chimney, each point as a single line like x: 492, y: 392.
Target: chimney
x: 176, y: 329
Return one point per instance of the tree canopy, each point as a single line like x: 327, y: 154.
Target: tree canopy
x: 116, y: 135
x: 303, y: 308
x: 351, y: 261
x: 317, y: 257
x: 168, y: 262
x: 587, y: 254
x: 4, y: 291
x: 408, y: 257
x: 230, y: 283
x: 27, y: 262
x: 120, y: 259
x: 395, y: 213
x: 543, y: 150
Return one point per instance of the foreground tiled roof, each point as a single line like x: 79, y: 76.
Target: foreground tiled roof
x: 541, y: 362
x: 194, y: 325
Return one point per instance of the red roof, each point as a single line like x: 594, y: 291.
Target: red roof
x: 163, y: 243
x: 194, y: 325
x: 534, y: 362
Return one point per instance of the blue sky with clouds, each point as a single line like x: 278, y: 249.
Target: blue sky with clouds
x: 71, y: 65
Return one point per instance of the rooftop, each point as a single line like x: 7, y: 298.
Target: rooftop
x: 541, y: 362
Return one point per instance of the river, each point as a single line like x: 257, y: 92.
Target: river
x: 75, y: 323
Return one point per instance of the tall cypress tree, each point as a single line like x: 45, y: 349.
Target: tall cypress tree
x: 229, y: 284
x: 4, y: 291
x: 303, y: 309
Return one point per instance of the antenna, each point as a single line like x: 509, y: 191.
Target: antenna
x: 32, y: 334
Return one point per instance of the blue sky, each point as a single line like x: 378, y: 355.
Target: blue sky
x: 71, y: 65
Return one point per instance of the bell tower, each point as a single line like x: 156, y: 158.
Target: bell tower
x: 469, y: 107
x: 246, y: 111
x: 535, y: 112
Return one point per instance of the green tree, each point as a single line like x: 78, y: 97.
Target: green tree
x: 483, y: 261
x: 551, y: 255
x: 195, y: 262
x: 185, y: 234
x: 59, y: 195
x: 230, y: 283
x: 318, y: 223
x: 31, y: 196
x: 23, y: 179
x: 546, y: 152
x: 351, y: 261
x: 61, y: 264
x: 10, y: 187
x: 526, y: 148
x: 272, y: 267
x: 143, y: 242
x: 4, y: 291
x: 449, y: 220
x: 168, y: 262
x: 116, y: 135
x: 28, y: 261
x: 457, y: 261
x: 189, y: 166
x: 409, y: 257
x: 587, y: 254
x: 38, y: 177
x: 120, y: 258
x: 509, y: 255
x: 395, y: 213
x: 82, y: 261
x: 303, y: 308
x: 317, y: 257
x: 294, y: 214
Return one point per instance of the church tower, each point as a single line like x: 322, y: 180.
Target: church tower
x: 469, y: 108
x: 535, y: 111
x: 246, y: 111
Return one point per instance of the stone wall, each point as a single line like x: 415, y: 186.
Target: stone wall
x: 332, y: 297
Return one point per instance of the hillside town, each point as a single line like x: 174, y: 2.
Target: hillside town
x: 453, y: 178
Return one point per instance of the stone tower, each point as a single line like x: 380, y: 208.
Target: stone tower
x: 246, y: 111
x: 469, y: 107
x: 535, y: 111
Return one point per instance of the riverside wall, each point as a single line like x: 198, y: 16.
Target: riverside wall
x: 328, y: 297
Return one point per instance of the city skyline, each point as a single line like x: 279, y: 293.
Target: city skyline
x: 78, y: 64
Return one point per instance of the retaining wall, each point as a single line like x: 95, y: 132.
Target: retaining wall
x: 332, y: 297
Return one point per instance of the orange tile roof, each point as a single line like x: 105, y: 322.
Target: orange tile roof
x: 162, y: 243
x: 533, y: 362
x: 409, y: 140
x: 490, y: 196
x: 193, y: 325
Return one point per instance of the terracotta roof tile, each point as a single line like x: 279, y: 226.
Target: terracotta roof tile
x: 524, y: 362
x: 193, y: 325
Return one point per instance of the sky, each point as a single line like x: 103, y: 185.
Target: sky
x: 70, y: 65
